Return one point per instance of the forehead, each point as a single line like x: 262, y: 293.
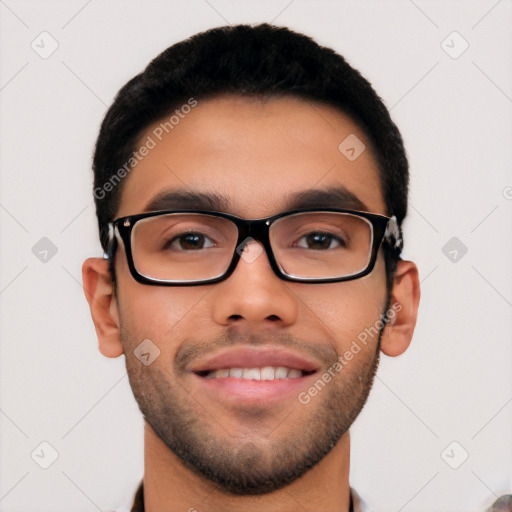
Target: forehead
x: 253, y: 158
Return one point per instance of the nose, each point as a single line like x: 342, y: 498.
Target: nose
x: 253, y: 294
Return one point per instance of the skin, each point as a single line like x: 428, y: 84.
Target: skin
x: 254, y: 152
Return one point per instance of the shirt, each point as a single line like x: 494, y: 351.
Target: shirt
x: 357, y: 504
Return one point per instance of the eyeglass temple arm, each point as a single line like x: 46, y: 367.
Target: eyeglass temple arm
x: 393, y: 233
x: 110, y: 241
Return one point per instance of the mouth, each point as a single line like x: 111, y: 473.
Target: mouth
x: 262, y: 373
x: 254, y: 376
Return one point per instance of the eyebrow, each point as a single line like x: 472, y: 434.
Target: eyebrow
x: 331, y: 197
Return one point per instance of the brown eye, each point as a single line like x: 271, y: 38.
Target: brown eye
x: 320, y: 241
x: 188, y: 242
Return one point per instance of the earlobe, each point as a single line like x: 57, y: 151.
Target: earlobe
x: 403, y: 310
x: 99, y: 292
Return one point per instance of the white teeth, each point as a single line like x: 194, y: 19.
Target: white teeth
x: 252, y: 373
x: 281, y: 372
x: 265, y: 373
x: 236, y: 372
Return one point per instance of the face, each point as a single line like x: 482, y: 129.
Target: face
x: 248, y: 436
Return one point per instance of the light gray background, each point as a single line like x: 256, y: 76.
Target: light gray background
x: 455, y: 381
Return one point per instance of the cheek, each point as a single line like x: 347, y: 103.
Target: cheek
x: 158, y: 313
x: 374, y: 285
x: 345, y: 310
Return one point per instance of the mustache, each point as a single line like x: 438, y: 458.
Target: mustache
x: 191, y: 349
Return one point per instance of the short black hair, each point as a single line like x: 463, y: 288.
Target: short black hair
x: 263, y: 61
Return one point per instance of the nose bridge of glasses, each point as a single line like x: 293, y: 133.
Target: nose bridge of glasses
x: 256, y: 229
x: 253, y: 231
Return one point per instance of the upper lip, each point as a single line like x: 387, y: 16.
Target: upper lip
x: 252, y: 357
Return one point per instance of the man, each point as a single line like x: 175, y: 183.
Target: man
x: 251, y: 345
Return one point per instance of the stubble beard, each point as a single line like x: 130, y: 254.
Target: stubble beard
x: 238, y: 466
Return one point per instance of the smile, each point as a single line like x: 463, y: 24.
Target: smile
x: 253, y: 376
x: 264, y: 373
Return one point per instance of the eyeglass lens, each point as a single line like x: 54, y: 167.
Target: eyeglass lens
x: 192, y: 246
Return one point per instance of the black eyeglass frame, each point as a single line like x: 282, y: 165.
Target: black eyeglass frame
x: 383, y: 229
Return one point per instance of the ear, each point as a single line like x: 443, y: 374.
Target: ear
x: 403, y: 310
x: 99, y: 293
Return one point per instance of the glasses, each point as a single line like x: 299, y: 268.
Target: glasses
x: 197, y: 247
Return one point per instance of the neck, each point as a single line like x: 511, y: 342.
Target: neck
x: 170, y: 486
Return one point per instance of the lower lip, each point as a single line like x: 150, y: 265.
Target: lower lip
x: 254, y: 391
